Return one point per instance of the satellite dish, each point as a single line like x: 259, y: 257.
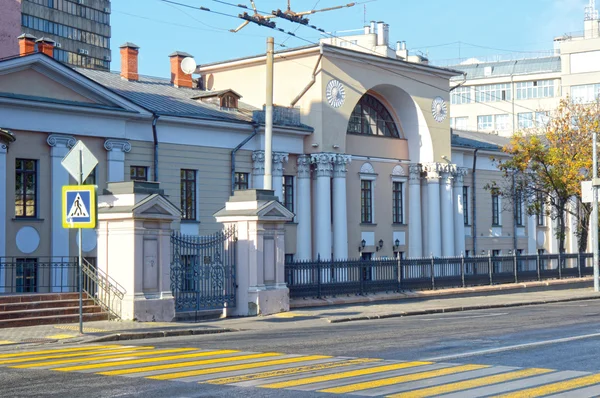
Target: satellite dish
x: 188, y: 65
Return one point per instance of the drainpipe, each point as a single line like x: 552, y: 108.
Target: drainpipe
x: 237, y: 148
x: 155, y: 135
x: 474, y: 203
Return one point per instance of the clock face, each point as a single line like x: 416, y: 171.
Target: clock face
x: 336, y: 95
x: 439, y: 109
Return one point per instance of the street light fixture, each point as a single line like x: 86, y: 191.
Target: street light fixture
x: 380, y: 244
x: 363, y: 243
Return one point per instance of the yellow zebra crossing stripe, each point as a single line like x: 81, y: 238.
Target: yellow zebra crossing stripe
x: 289, y: 371
x: 186, y: 364
x: 344, y: 375
x: 233, y: 368
x: 30, y: 353
x: 402, y: 379
x: 5, y: 342
x: 465, y: 385
x: 120, y: 351
x: 103, y: 357
x: 555, y: 387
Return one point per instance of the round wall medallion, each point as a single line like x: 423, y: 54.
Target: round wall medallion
x: 28, y: 240
x: 336, y: 95
x: 439, y: 109
x: 89, y: 240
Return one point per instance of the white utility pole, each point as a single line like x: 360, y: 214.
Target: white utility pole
x: 268, y: 183
x: 595, y: 212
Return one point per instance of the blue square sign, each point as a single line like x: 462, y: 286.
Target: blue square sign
x: 79, y: 206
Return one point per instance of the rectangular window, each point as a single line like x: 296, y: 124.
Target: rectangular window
x: 502, y: 122
x: 398, y: 206
x: 460, y: 95
x: 495, y: 210
x: 288, y: 192
x: 459, y: 123
x: 541, y: 119
x: 535, y: 89
x: 138, y: 173
x: 541, y: 213
x: 289, y: 258
x: 519, y: 208
x: 188, y: 194
x: 493, y: 93
x: 485, y: 122
x: 585, y: 94
x: 26, y: 188
x: 241, y: 182
x: 525, y: 120
x: 26, y: 275
x: 366, y: 205
x: 466, y: 204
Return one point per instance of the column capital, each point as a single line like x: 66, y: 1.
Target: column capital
x: 303, y: 166
x: 323, y: 163
x: 278, y: 159
x: 414, y: 173
x: 258, y: 162
x: 119, y: 145
x: 434, y: 171
x: 460, y: 174
x: 339, y: 165
x: 61, y: 140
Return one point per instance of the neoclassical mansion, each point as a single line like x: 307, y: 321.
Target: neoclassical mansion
x: 363, y: 152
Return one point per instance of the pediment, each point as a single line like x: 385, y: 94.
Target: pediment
x: 41, y: 79
x: 275, y: 209
x: 156, y: 206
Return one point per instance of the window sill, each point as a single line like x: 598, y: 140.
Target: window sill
x: 190, y: 222
x: 28, y: 219
x: 496, y: 226
x: 398, y: 224
x: 291, y: 223
x: 369, y: 224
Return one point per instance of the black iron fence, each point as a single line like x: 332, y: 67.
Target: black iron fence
x: 38, y: 275
x: 339, y: 277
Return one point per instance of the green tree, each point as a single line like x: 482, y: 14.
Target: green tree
x: 547, y: 164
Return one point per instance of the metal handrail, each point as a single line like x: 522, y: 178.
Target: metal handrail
x: 105, y: 291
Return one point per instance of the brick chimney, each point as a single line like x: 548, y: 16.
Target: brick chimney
x: 46, y: 46
x: 178, y: 78
x: 129, y: 61
x: 26, y: 44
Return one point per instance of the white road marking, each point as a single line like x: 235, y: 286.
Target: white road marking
x: 514, y: 347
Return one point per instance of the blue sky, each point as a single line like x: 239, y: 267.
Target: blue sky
x: 443, y: 29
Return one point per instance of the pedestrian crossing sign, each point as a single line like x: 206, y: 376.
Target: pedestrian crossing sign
x: 79, y: 206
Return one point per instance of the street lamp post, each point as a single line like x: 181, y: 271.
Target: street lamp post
x: 595, y: 183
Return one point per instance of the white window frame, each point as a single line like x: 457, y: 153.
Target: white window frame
x: 585, y: 93
x: 461, y: 95
x: 459, y: 123
x: 485, y: 122
x: 370, y: 176
x: 534, y: 89
x: 493, y: 92
x: 525, y: 122
x: 404, y: 181
x: 505, y: 125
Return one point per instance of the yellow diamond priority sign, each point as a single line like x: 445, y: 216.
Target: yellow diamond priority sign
x: 79, y: 206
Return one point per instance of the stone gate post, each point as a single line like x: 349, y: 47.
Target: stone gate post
x: 259, y: 219
x: 134, y: 230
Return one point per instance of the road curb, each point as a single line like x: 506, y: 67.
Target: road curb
x: 158, y: 334
x: 459, y: 309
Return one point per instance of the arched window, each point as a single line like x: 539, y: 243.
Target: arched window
x: 371, y: 117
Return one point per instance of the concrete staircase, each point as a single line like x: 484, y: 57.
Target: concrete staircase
x: 47, y: 309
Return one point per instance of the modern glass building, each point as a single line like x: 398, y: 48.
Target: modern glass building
x: 80, y: 28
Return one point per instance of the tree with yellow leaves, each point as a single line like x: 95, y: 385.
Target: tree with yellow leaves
x: 548, y: 163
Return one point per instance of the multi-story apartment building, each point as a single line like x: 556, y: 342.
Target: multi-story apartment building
x: 80, y: 29
x: 507, y: 96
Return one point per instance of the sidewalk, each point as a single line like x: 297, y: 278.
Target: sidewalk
x: 320, y: 311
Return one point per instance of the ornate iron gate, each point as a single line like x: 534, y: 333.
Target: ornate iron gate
x: 203, y: 270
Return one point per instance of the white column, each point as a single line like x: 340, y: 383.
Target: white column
x: 433, y: 209
x: 572, y: 220
x: 459, y: 212
x: 415, y: 246
x: 278, y: 159
x: 115, y: 159
x: 258, y: 169
x: 60, y: 145
x: 323, y: 169
x: 340, y: 213
x: 447, y: 210
x: 303, y: 231
x: 531, y: 234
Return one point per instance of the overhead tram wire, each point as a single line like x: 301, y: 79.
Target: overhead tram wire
x: 369, y: 63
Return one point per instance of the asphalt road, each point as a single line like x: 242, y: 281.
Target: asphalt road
x: 564, y: 337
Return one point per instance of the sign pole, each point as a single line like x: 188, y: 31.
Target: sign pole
x: 595, y: 211
x: 80, y: 252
